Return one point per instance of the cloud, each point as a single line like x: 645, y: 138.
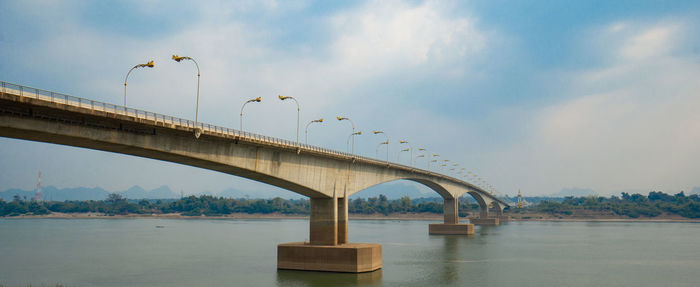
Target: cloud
x: 386, y: 36
x: 346, y: 66
x: 632, y: 124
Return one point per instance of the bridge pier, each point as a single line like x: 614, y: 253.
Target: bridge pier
x: 498, y: 210
x: 451, y: 224
x: 328, y: 249
x: 484, y: 218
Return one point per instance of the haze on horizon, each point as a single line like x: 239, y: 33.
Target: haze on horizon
x: 537, y: 96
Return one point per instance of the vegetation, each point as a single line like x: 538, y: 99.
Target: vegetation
x: 213, y: 206
x: 634, y: 205
x: 631, y: 205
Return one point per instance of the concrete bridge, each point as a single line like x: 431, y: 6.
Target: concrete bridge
x: 327, y: 177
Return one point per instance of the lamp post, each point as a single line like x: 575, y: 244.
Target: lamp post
x: 398, y: 156
x: 146, y: 65
x: 352, y: 135
x: 306, y: 131
x: 409, y: 147
x: 435, y: 160
x: 420, y: 155
x: 298, y: 112
x: 196, y: 111
x: 256, y: 100
x: 420, y: 149
x: 387, y: 144
x: 353, y: 131
x: 380, y: 144
x: 444, y: 163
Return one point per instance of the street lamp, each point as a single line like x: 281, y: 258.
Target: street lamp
x: 387, y: 144
x: 398, y: 156
x: 352, y: 135
x: 420, y: 149
x: 353, y: 131
x: 146, y: 65
x: 380, y: 144
x: 444, y: 163
x: 410, y: 148
x: 298, y: 112
x: 256, y: 100
x: 420, y: 155
x: 196, y: 113
x: 306, y: 131
x: 434, y: 155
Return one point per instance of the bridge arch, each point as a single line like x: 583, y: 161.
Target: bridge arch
x: 437, y: 188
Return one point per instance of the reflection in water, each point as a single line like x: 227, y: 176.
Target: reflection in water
x: 450, y: 253
x: 485, y: 230
x: 319, y: 279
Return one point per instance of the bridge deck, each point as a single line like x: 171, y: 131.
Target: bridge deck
x: 41, y: 98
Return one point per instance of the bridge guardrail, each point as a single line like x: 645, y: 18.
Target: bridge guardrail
x: 60, y: 98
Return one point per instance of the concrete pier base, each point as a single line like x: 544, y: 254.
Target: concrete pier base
x: 484, y: 221
x: 450, y: 229
x: 503, y: 218
x: 350, y: 257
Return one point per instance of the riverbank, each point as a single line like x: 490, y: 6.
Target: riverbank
x: 597, y: 217
x: 391, y: 216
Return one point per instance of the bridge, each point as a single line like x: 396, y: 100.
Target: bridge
x: 326, y: 176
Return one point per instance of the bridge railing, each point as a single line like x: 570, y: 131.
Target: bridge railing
x: 69, y: 100
x: 53, y: 97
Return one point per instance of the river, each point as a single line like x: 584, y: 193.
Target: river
x: 210, y: 252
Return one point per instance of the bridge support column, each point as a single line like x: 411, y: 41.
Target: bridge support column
x: 323, y: 221
x: 328, y: 249
x: 484, y: 218
x: 342, y: 220
x: 498, y: 213
x: 451, y: 224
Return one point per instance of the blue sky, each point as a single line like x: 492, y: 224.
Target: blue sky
x: 531, y: 95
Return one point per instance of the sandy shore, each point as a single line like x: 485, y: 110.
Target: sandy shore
x: 392, y: 216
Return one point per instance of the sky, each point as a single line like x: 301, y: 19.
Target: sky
x: 536, y: 96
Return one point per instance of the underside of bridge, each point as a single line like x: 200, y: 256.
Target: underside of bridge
x: 327, y: 178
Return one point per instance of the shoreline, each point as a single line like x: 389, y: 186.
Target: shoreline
x: 393, y: 216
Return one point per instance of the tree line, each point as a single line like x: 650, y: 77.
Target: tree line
x: 208, y: 205
x: 631, y: 205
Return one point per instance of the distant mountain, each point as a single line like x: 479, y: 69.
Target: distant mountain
x: 263, y: 193
x: 9, y: 194
x: 77, y: 193
x: 233, y: 193
x: 573, y: 191
x: 53, y: 193
x: 394, y: 190
x: 137, y: 192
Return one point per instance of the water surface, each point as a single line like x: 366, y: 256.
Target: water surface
x: 133, y: 252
